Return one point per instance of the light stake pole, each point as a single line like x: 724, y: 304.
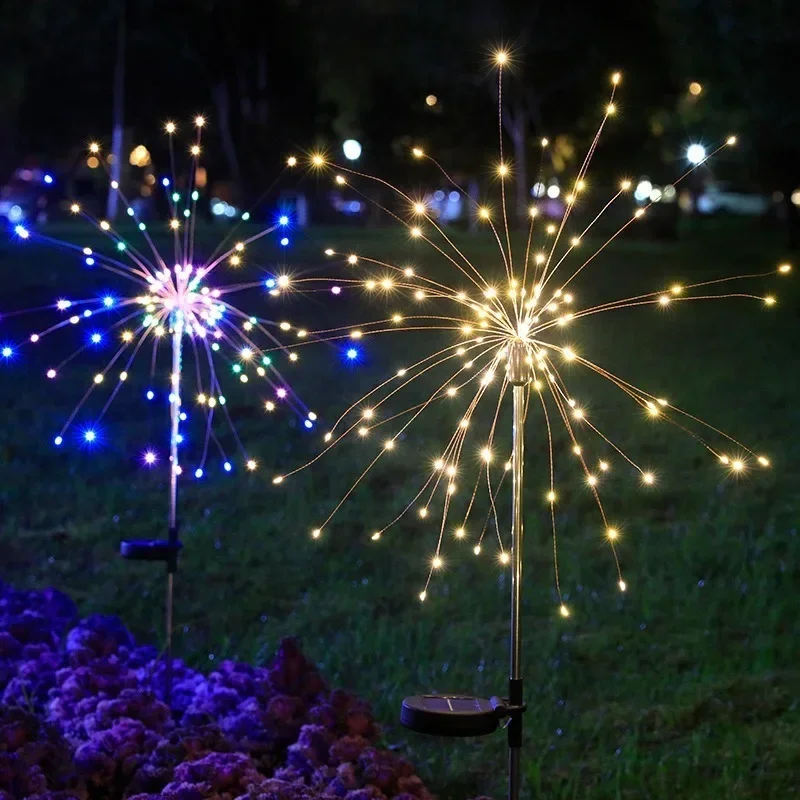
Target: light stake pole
x: 461, y: 715
x: 167, y: 550
x: 518, y: 377
x: 174, y: 472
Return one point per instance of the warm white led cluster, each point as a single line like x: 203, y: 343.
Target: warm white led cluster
x: 533, y: 304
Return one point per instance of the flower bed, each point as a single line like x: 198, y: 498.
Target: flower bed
x: 82, y: 716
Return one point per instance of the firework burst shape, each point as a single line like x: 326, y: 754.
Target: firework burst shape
x: 174, y: 315
x: 522, y: 315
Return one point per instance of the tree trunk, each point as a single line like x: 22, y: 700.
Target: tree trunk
x: 221, y: 96
x: 261, y: 86
x: 520, y: 140
x: 515, y: 125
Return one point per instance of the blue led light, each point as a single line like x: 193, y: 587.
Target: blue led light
x: 182, y: 416
x: 7, y: 352
x: 150, y: 394
x: 87, y: 313
x: 352, y: 354
x: 283, y: 220
x: 198, y: 473
x: 108, y: 301
x: 90, y: 436
x: 90, y: 262
x: 131, y: 212
x: 48, y: 179
x: 165, y: 181
x: 227, y: 466
x: 96, y: 338
x: 270, y: 283
x: 179, y: 438
x: 245, y: 216
x: 58, y: 441
x: 284, y: 242
x: 308, y: 423
x: 121, y: 246
x: 21, y: 231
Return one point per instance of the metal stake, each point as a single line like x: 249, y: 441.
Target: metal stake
x: 174, y: 466
x: 518, y: 376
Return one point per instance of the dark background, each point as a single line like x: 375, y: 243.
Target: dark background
x: 282, y: 74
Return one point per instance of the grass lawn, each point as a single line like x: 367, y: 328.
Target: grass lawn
x: 686, y: 686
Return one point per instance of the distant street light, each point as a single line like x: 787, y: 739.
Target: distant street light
x: 695, y: 153
x: 352, y: 149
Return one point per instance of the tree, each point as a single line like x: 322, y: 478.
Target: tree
x: 744, y: 54
x: 415, y: 47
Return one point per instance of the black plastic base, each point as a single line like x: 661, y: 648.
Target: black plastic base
x: 149, y: 550
x: 451, y: 715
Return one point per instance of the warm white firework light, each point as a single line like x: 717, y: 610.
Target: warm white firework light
x: 505, y: 332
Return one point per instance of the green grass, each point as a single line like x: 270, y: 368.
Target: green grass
x: 687, y: 686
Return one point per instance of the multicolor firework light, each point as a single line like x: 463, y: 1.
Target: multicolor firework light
x: 168, y: 301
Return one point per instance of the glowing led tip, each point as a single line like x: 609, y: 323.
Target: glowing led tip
x: 769, y: 300
x: 763, y: 461
x: 199, y: 121
x: 502, y: 170
x: 21, y: 231
x: 7, y: 352
x: 616, y: 78
x: 731, y: 140
x: 436, y: 563
x: 291, y: 161
x: 623, y: 587
x: 785, y: 269
x: 318, y: 160
x: 504, y: 558
x: 648, y: 478
x: 58, y: 441
x: 611, y: 109
x: 460, y: 533
x: 564, y: 611
x: 612, y: 534
x: 501, y: 58
x: 170, y: 127
x: 251, y: 464
x: 483, y: 212
x: 551, y: 497
x: 422, y: 596
x: 90, y: 436
x: 94, y: 148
